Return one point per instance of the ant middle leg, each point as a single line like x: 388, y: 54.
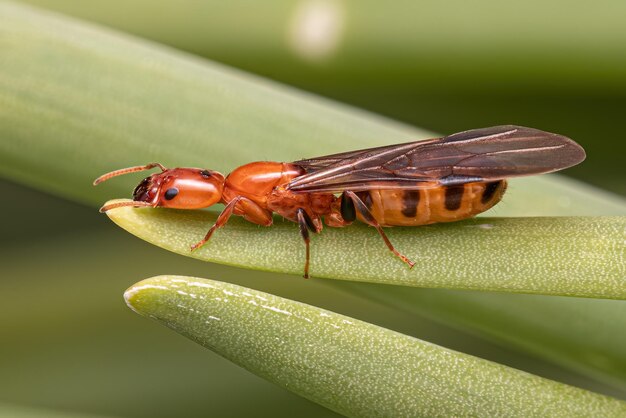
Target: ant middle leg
x: 362, y: 209
x: 306, y: 223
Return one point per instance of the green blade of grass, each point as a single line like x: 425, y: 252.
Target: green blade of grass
x: 77, y: 101
x: 397, y: 61
x: 387, y: 59
x: 405, y: 44
x: 350, y: 366
x: 576, y: 256
x: 544, y: 326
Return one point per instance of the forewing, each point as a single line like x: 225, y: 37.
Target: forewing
x: 312, y: 165
x: 477, y: 155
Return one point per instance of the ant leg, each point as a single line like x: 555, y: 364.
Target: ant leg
x: 132, y: 203
x: 305, y: 223
x: 221, y: 221
x: 251, y: 212
x: 370, y: 220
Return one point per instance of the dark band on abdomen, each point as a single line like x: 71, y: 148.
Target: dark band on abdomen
x: 410, y: 201
x: 490, y: 191
x: 454, y: 197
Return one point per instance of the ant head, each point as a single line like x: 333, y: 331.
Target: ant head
x: 179, y: 188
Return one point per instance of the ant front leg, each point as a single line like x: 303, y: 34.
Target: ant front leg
x: 251, y: 212
x: 221, y: 221
x: 362, y: 209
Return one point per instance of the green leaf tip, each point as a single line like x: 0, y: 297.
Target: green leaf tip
x: 573, y: 256
x: 349, y: 366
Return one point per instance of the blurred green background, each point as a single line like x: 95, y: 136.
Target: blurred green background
x: 443, y: 66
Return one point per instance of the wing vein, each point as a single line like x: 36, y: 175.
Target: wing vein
x: 478, y: 155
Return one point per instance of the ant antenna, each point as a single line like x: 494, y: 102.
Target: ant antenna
x: 116, y: 173
x: 132, y: 203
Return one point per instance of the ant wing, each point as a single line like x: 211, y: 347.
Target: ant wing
x: 477, y: 155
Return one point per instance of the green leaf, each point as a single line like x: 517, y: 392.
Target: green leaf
x: 536, y: 324
x: 393, y: 47
x: 78, y: 100
x: 476, y: 72
x: 349, y: 366
x: 532, y: 255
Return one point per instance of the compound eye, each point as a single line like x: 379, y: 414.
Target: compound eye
x: 171, y: 193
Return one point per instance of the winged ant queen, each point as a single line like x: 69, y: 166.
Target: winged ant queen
x: 416, y: 183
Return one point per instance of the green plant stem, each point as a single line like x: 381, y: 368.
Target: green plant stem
x: 350, y: 366
x: 545, y: 326
x: 531, y: 255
